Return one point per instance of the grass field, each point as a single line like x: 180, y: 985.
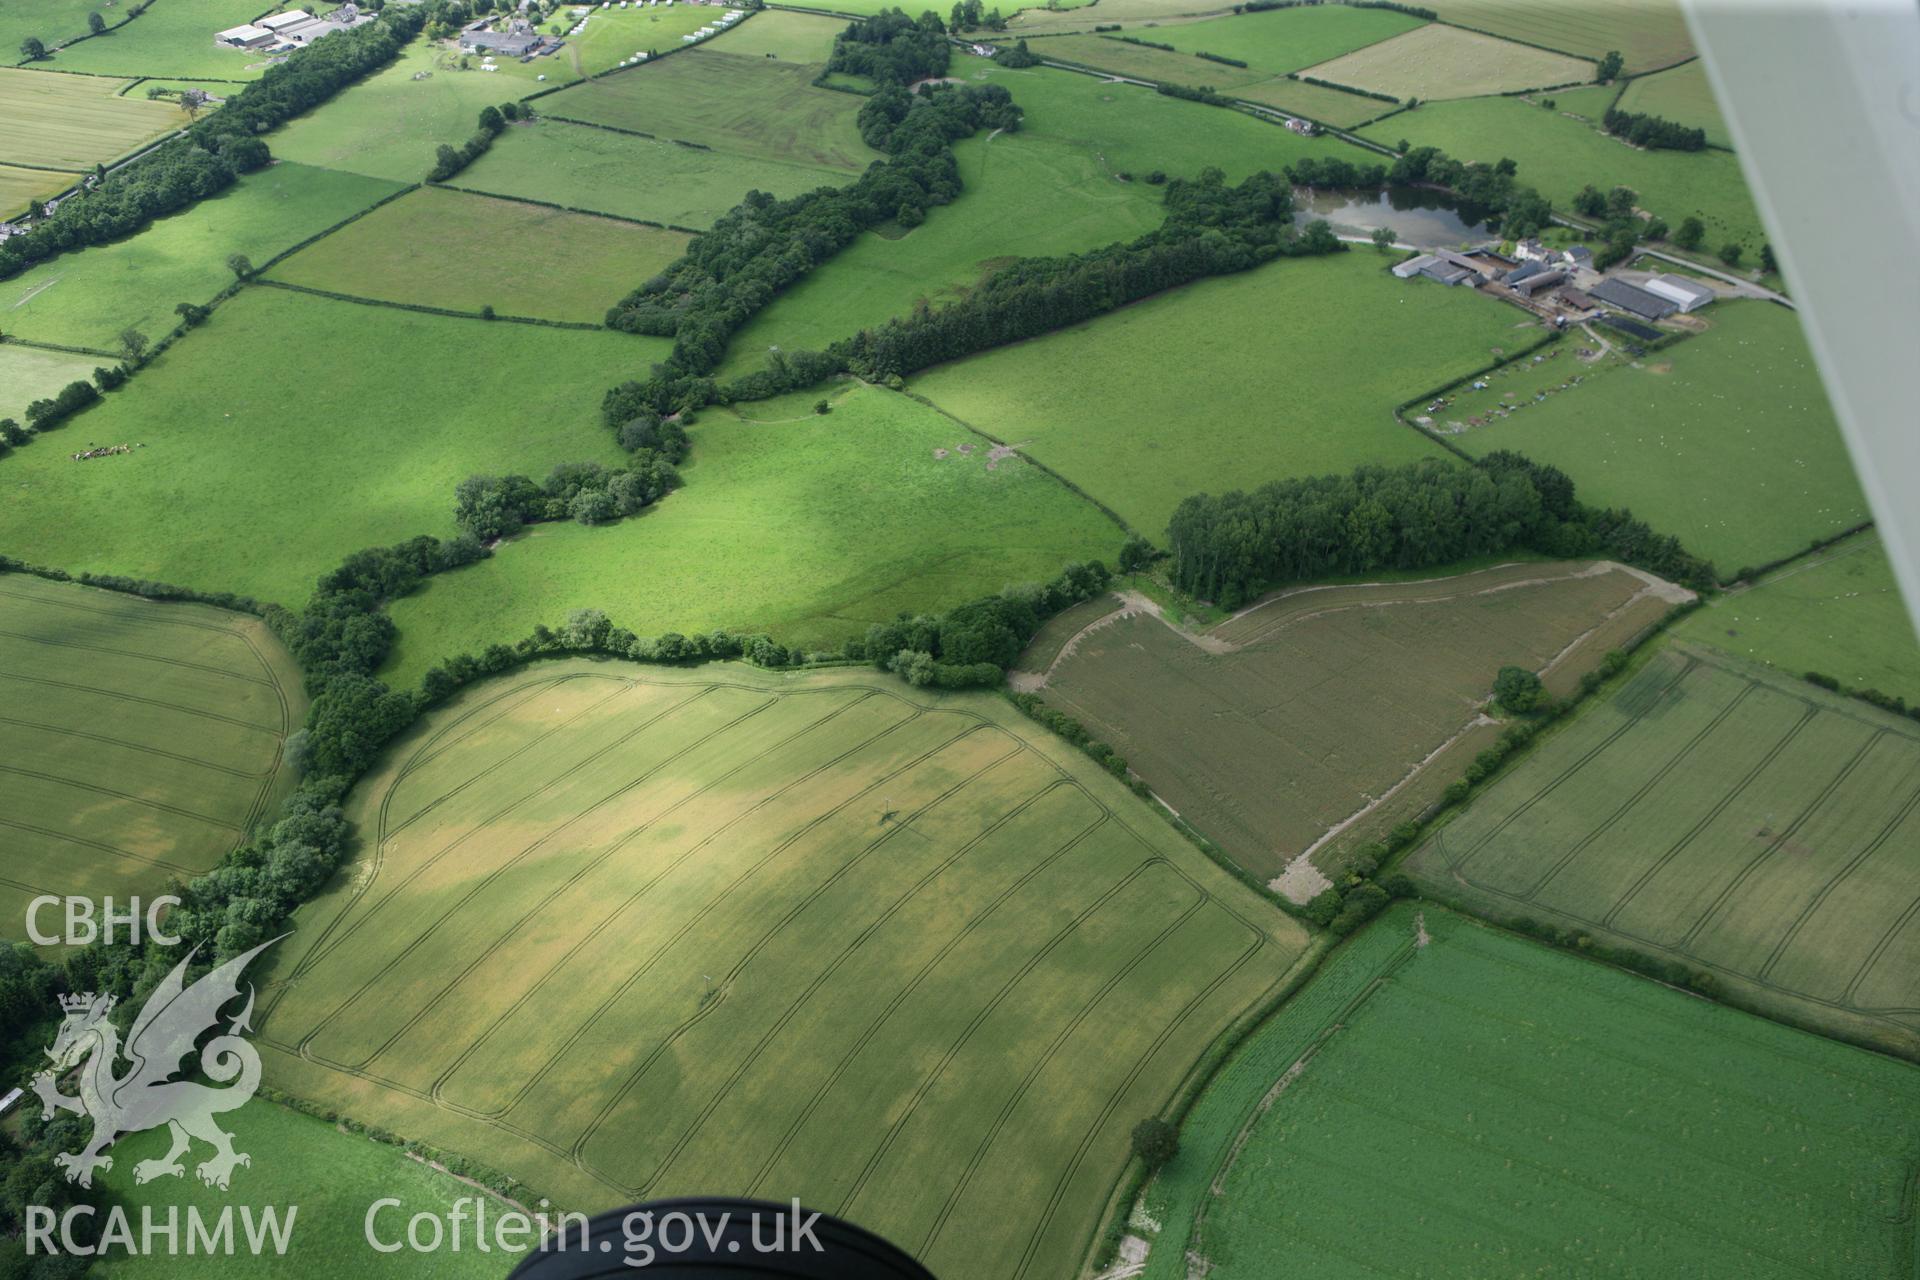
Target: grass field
x: 520, y: 259
x: 388, y: 125
x: 1228, y: 383
x: 1024, y: 195
x: 139, y: 742
x: 52, y: 21
x: 760, y: 108
x: 1649, y: 33
x: 617, y: 173
x: 170, y: 38
x: 950, y: 960
x: 1438, y: 61
x: 1681, y: 94
x: 378, y: 416
x: 1084, y: 17
x: 331, y: 1175
x: 1271, y: 43
x: 20, y: 188
x: 612, y: 37
x: 29, y: 373
x: 1273, y: 728
x: 75, y: 122
x: 87, y: 298
x: 1741, y: 403
x: 1737, y: 819
x: 1560, y: 156
x: 806, y: 527
x: 1839, y: 613
x: 804, y: 38
x: 1530, y: 1112
x: 1131, y: 129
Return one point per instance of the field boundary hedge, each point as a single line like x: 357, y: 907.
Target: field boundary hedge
x: 1531, y: 44
x: 17, y: 341
x: 425, y: 309
x: 568, y: 208
x: 1547, y: 339
x: 324, y: 232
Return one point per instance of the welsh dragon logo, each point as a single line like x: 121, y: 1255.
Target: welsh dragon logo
x: 146, y: 1095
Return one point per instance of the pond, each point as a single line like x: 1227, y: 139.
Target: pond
x: 1419, y: 217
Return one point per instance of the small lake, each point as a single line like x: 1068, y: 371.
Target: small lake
x: 1424, y: 219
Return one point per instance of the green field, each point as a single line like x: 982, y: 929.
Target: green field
x: 519, y: 259
x: 936, y: 962
x: 1738, y: 409
x: 612, y: 37
x: 805, y: 38
x: 29, y: 373
x: 1271, y: 43
x: 87, y: 298
x: 1273, y: 728
x: 1681, y: 94
x: 806, y: 527
x: 1560, y: 156
x: 1445, y: 62
x: 1132, y: 129
x: 364, y: 417
x: 1025, y: 195
x: 1084, y: 17
x: 332, y: 1176
x: 1736, y: 820
x: 388, y: 125
x: 588, y: 168
x: 1650, y: 33
x: 139, y: 742
x: 75, y: 122
x: 1230, y: 382
x: 171, y: 38
x: 1838, y: 613
x: 758, y: 107
x: 1528, y: 1112
x: 52, y: 21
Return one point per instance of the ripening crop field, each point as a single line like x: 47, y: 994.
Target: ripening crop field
x: 548, y: 263
x: 139, y: 741
x: 75, y: 122
x: 1438, y: 61
x: 1740, y: 822
x: 1725, y: 440
x: 621, y: 930
x: 1295, y: 715
x: 1533, y: 1113
x: 1229, y: 382
x: 1648, y: 33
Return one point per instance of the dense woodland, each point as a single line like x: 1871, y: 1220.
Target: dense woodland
x: 1230, y: 547
x: 1652, y: 131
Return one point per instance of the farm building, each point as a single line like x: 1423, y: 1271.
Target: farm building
x: 519, y: 41
x: 1414, y: 266
x: 1534, y: 281
x: 1633, y: 299
x: 1576, y: 300
x: 1579, y: 257
x: 282, y: 21
x: 246, y: 36
x: 1686, y: 294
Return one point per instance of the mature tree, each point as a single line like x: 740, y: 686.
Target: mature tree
x: 191, y: 101
x: 1620, y: 202
x: 1507, y: 167
x: 1155, y: 1141
x: 1656, y: 229
x: 96, y: 23
x: 1610, y: 65
x: 33, y: 49
x: 1517, y: 690
x: 1383, y: 238
x: 1589, y: 202
x: 240, y: 264
x: 1730, y: 253
x: 1690, y: 234
x: 1768, y: 263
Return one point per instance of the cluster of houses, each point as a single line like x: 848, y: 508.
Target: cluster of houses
x: 295, y: 29
x: 519, y: 40
x: 1560, y: 284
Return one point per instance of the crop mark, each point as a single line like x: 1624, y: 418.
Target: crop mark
x: 128, y: 796
x: 225, y: 673
x: 101, y: 846
x: 66, y: 731
x: 118, y: 696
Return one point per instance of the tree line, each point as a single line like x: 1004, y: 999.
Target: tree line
x: 1210, y: 229
x: 449, y: 160
x: 1653, y: 132
x: 1230, y: 547
x: 491, y: 507
x: 214, y: 151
